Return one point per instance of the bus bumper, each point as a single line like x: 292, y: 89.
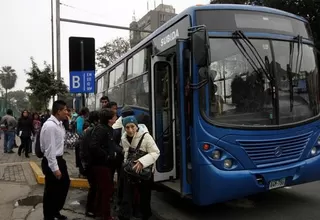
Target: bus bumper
x: 217, y: 185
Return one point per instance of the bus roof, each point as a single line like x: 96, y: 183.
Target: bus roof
x: 190, y: 11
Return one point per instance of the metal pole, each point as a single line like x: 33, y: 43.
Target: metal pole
x: 52, y: 42
x: 52, y: 36
x: 104, y: 25
x: 82, y: 69
x: 58, y: 40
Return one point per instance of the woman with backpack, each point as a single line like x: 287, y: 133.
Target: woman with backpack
x: 84, y: 143
x: 102, y: 152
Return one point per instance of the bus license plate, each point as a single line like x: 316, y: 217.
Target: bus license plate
x: 274, y: 184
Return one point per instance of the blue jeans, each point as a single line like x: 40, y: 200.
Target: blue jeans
x: 8, y: 140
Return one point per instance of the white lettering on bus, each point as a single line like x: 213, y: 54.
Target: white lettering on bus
x: 170, y: 37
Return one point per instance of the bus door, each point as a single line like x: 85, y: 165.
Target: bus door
x: 163, y: 120
x: 184, y: 114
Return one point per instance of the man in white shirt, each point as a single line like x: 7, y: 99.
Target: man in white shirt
x: 53, y: 165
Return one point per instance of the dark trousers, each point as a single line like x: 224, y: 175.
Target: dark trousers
x: 92, y: 193
x: 129, y: 203
x: 119, y: 192
x: 55, y: 191
x: 25, y: 144
x: 78, y: 160
x: 102, y: 177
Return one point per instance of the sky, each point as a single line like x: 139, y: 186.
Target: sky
x: 26, y: 28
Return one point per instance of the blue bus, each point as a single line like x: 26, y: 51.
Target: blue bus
x: 232, y: 93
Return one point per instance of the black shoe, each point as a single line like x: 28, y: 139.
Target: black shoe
x: 11, y: 152
x: 60, y: 217
x: 90, y: 215
x: 27, y: 156
x: 5, y: 152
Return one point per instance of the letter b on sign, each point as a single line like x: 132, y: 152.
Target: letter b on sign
x: 76, y: 82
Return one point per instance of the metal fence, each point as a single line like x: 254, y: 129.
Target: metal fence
x: 10, y: 105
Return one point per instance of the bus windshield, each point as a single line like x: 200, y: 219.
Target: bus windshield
x: 239, y: 93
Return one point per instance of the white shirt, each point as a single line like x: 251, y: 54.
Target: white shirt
x: 52, y: 141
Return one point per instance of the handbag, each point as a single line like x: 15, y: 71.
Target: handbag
x: 133, y: 155
x: 71, y: 139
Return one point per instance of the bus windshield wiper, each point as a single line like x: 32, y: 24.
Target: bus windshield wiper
x: 262, y: 63
x: 290, y: 65
x: 300, y: 51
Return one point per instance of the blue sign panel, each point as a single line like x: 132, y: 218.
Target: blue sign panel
x: 82, y: 81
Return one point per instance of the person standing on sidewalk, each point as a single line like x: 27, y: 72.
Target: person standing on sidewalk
x: 54, y: 167
x: 102, y: 154
x: 36, y: 128
x: 8, y: 124
x: 25, y: 131
x: 104, y: 101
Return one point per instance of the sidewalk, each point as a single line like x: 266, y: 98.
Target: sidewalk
x: 30, y: 208
x: 35, y: 163
x: 14, y: 158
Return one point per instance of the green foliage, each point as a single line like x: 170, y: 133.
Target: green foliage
x: 43, y: 85
x: 8, y: 77
x: 20, y: 99
x: 111, y: 51
x: 228, y: 1
x: 35, y: 105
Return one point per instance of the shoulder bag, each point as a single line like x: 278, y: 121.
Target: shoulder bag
x: 133, y: 155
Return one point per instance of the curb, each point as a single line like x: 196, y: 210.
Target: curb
x: 74, y: 182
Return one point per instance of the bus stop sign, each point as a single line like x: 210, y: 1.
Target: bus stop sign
x: 82, y: 65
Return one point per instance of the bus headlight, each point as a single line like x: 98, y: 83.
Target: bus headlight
x: 314, y: 151
x: 216, y: 154
x: 227, y: 163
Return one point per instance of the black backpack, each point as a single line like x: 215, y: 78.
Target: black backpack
x: 84, y: 146
x: 38, y: 151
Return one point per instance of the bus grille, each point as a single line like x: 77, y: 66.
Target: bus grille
x: 273, y: 152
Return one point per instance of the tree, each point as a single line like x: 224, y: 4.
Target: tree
x: 111, y: 51
x: 68, y: 98
x: 43, y: 85
x: 20, y: 98
x: 8, y: 78
x: 228, y: 1
x: 35, y: 105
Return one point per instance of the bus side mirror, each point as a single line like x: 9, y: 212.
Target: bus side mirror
x: 201, y: 47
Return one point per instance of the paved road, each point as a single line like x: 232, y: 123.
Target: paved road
x: 296, y: 203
